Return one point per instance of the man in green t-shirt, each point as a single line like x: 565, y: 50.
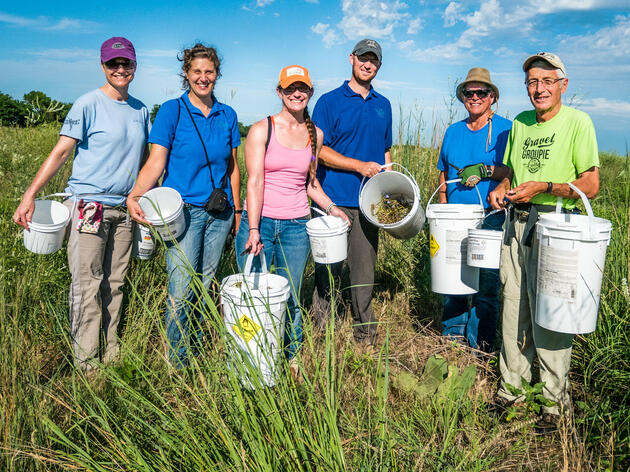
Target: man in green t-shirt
x: 547, y: 147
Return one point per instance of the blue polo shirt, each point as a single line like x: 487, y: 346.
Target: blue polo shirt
x: 186, y: 169
x: 354, y: 127
x: 462, y: 147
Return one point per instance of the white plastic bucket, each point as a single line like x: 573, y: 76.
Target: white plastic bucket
x: 484, y: 248
x: 329, y: 239
x: 254, y: 310
x: 572, y: 252
x: 143, y: 243
x: 399, y: 185
x: 448, y: 241
x: 163, y: 208
x: 47, y: 228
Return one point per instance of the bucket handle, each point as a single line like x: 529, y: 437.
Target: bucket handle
x: 451, y: 182
x: 391, y: 164
x: 587, y: 206
x: 250, y: 260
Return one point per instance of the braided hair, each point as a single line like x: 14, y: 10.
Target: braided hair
x: 312, y: 131
x: 198, y: 51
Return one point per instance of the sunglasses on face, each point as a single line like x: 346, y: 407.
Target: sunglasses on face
x: 365, y: 58
x: 481, y: 93
x: 114, y: 64
x: 300, y: 88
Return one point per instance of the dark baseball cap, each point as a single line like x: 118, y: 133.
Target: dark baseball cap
x: 368, y: 45
x: 117, y: 47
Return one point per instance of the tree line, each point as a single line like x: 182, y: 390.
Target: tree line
x: 37, y: 108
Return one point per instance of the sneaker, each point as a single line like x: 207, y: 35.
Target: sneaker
x: 547, y: 423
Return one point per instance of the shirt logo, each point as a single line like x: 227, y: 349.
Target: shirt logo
x: 380, y: 112
x: 536, y: 152
x: 70, y: 123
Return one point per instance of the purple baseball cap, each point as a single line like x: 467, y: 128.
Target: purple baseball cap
x: 117, y: 47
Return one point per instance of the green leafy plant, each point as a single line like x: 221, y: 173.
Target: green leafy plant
x: 533, y: 398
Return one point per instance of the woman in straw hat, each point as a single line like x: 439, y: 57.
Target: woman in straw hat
x: 472, y: 151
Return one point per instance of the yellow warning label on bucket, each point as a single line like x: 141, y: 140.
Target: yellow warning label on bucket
x: 433, y: 245
x: 247, y: 329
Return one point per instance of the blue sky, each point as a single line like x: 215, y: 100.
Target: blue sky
x: 427, y: 47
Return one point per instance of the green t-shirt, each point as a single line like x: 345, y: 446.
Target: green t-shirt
x: 557, y: 150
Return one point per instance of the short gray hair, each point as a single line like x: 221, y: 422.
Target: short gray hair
x: 545, y: 65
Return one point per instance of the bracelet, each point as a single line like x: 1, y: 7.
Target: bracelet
x: 549, y: 187
x: 330, y: 208
x: 257, y: 229
x: 238, y: 212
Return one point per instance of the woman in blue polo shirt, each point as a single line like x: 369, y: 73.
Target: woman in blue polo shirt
x: 195, y: 157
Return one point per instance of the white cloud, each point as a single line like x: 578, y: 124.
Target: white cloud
x: 329, y: 36
x: 599, y: 47
x: 372, y: 18
x: 157, y: 52
x: 414, y: 26
x: 45, y: 23
x: 452, y: 13
x: 65, y: 54
x: 312, y: 1
x: 604, y: 106
x: 263, y: 3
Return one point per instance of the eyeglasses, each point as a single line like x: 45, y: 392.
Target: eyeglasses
x: 546, y: 82
x: 300, y: 88
x: 481, y: 93
x: 365, y: 58
x: 114, y: 64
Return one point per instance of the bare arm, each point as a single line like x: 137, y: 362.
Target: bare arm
x: 587, y: 181
x: 235, y: 183
x: 501, y: 172
x: 442, y: 198
x: 335, y: 160
x: 255, y: 165
x: 55, y: 160
x: 147, y: 178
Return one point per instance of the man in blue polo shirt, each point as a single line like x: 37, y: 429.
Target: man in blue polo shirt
x: 357, y: 126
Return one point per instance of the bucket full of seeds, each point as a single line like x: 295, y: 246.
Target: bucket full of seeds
x: 391, y: 200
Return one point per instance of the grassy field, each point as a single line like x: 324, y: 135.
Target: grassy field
x: 421, y: 403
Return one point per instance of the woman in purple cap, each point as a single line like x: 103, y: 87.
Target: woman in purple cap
x: 108, y: 130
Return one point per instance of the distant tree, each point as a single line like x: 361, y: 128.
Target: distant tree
x: 12, y: 112
x: 154, y: 112
x: 42, y: 109
x: 243, y: 129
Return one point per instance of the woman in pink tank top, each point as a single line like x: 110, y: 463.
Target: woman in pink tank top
x: 281, y: 159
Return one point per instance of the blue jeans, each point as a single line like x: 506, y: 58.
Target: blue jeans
x: 287, y: 247
x: 476, y: 323
x: 192, y: 261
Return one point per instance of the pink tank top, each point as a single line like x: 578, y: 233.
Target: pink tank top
x: 286, y: 169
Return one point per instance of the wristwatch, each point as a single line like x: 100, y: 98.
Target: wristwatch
x: 489, y: 171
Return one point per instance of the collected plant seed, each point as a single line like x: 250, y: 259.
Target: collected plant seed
x: 391, y: 208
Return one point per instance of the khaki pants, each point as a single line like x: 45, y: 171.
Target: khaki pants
x: 522, y: 337
x: 98, y: 265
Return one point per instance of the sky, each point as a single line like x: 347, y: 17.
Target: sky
x: 427, y: 47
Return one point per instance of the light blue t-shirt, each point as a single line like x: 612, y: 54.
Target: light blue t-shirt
x: 112, y: 137
x: 462, y: 147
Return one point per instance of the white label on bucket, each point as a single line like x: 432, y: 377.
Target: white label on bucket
x: 558, y: 272
x: 318, y: 248
x: 456, y: 246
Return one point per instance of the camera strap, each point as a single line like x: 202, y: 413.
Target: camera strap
x: 223, y: 180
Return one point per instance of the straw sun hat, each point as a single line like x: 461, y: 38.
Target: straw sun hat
x: 477, y: 74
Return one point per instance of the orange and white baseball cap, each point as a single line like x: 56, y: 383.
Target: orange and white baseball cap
x: 292, y: 74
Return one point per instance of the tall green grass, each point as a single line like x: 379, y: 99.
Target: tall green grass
x: 354, y: 410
